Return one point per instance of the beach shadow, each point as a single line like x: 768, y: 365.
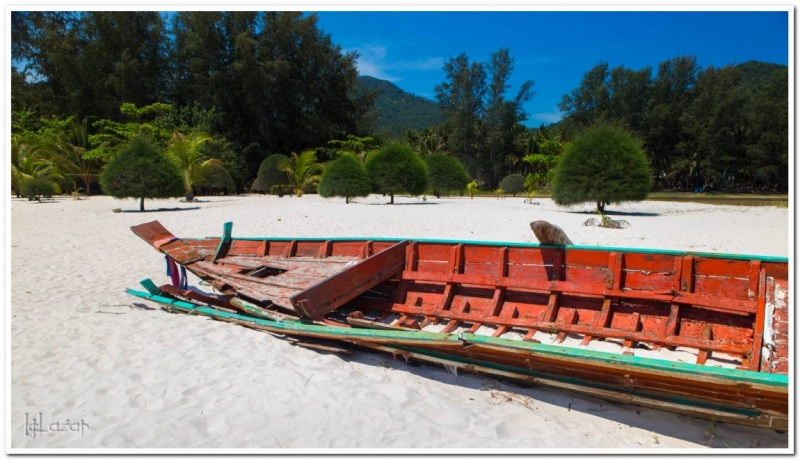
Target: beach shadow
x: 617, y: 213
x: 142, y: 306
x: 400, y: 204
x: 161, y: 210
x: 503, y: 391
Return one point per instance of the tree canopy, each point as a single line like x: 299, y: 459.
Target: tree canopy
x: 482, y: 123
x: 445, y: 173
x: 513, y: 184
x: 141, y: 171
x: 344, y: 177
x: 604, y: 164
x: 269, y: 174
x: 395, y: 168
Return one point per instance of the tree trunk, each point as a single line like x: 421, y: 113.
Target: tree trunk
x: 347, y: 200
x: 88, y: 186
x: 392, y: 200
x: 141, y: 204
x: 601, y: 207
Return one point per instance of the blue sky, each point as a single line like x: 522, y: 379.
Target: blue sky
x: 554, y: 49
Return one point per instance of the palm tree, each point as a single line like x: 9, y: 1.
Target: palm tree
x: 302, y: 170
x: 73, y: 153
x: 28, y: 162
x: 185, y: 150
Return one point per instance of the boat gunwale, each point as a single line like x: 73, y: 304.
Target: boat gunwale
x: 671, y: 252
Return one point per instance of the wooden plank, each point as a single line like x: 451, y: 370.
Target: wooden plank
x: 331, y: 293
x: 641, y: 336
x: 572, y: 318
x: 670, y: 327
x: 290, y: 250
x: 601, y: 322
x: 703, y: 355
x: 738, y: 306
x: 367, y: 324
x: 687, y: 274
x: 758, y: 332
x: 325, y: 249
x: 636, y: 321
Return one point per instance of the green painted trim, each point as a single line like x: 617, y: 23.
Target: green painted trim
x: 296, y: 325
x: 557, y: 351
x: 226, y: 239
x: 634, y: 361
x: 579, y: 382
x: 148, y: 284
x: 670, y: 252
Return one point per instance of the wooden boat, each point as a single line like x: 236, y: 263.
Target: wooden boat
x: 523, y: 311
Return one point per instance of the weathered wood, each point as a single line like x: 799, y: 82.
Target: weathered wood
x: 344, y: 286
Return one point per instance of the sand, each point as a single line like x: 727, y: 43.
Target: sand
x: 125, y: 374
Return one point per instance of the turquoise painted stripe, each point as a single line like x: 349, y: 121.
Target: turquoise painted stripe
x: 297, y: 325
x: 644, y: 363
x: 227, y: 227
x: 635, y: 361
x: 670, y: 252
x: 580, y: 382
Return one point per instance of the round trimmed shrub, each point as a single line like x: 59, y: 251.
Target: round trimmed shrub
x: 216, y: 177
x: 269, y: 175
x: 513, y: 184
x: 604, y: 164
x: 396, y: 168
x: 445, y: 173
x: 39, y: 187
x: 141, y: 171
x: 344, y: 177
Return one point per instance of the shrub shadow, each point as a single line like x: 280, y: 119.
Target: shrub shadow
x: 162, y: 209
x: 400, y: 204
x: 617, y: 213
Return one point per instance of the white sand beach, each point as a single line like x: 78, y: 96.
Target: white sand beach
x: 129, y: 375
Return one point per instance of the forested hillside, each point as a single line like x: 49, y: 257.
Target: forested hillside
x: 239, y: 86
x: 396, y: 110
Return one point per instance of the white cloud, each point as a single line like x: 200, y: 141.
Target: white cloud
x: 372, y: 60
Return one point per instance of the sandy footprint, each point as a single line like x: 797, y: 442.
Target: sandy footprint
x: 146, y: 401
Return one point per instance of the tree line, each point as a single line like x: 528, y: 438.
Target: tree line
x: 230, y: 89
x: 701, y: 128
x: 269, y: 81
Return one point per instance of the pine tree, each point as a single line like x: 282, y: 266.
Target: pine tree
x: 141, y: 171
x: 445, y: 173
x: 604, y: 164
x: 344, y: 177
x: 396, y: 169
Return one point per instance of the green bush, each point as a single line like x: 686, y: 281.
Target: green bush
x: 445, y: 173
x: 396, y: 168
x: 38, y: 187
x: 472, y: 189
x: 141, y: 171
x: 604, y: 164
x: 344, y: 177
x: 513, y: 184
x: 216, y: 177
x: 269, y: 174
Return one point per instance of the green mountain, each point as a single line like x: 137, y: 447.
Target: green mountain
x: 398, y: 110
x: 755, y: 76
